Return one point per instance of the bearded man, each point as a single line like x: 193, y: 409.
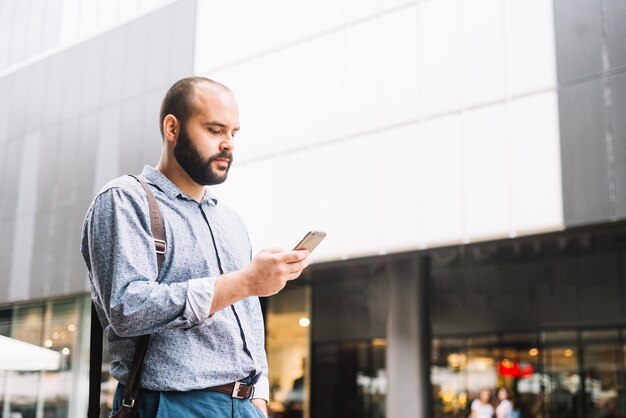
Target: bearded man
x: 202, y: 309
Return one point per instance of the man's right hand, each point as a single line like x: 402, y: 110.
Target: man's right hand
x: 267, y: 274
x: 271, y: 269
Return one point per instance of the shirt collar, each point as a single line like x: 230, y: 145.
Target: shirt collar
x: 170, y: 189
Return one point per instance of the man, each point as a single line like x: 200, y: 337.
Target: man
x: 202, y: 311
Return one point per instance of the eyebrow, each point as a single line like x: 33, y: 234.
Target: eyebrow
x: 220, y: 124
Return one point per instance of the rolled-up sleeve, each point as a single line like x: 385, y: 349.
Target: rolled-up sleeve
x: 123, y: 270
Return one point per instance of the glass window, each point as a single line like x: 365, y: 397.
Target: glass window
x: 350, y: 379
x: 603, y: 366
x: 60, y: 336
x: 561, y: 378
x: 45, y: 379
x: 288, y: 321
x: 23, y: 385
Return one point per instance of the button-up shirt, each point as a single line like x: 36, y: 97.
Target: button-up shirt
x: 188, y: 348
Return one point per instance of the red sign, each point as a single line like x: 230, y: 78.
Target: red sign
x: 514, y: 369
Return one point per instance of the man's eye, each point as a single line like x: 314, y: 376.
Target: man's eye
x: 214, y: 132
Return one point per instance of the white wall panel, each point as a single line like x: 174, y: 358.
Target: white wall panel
x: 487, y: 181
x: 70, y: 22
x: 107, y: 14
x: 327, y: 14
x: 237, y: 78
x: 536, y: 163
x: 440, y: 174
x: 362, y: 76
x: 127, y: 9
x: 399, y: 189
x: 88, y: 17
x: 438, y: 56
x: 290, y: 194
x: 531, y: 57
x: 323, y: 177
x: 398, y: 77
x: 217, y: 23
x: 296, y: 19
x: 265, y: 28
x: 362, y: 163
x: 482, y: 51
x: 292, y: 119
x: 359, y: 9
x: 261, y: 120
x: 250, y: 191
x: 327, y: 106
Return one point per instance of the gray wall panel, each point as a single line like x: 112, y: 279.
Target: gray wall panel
x: 54, y: 91
x: 578, y: 37
x: 9, y: 180
x: 94, y: 109
x: 135, y: 60
x: 131, y: 160
x: 7, y: 232
x: 49, y: 169
x: 151, y: 139
x: 617, y: 120
x: 115, y: 63
x: 68, y: 145
x: 36, y: 88
x: 615, y: 15
x: 19, y: 103
x: 86, y: 147
x: 159, y: 46
x: 183, y: 40
x: 74, y: 69
x: 5, y: 98
x: 93, y: 69
x: 584, y: 154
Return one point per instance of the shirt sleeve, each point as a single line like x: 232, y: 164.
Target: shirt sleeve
x: 123, y: 270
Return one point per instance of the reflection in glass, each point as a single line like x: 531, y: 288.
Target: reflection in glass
x: 561, y: 378
x: 350, y: 379
x: 287, y: 322
x: 22, y: 388
x: 54, y: 392
x: 603, y: 360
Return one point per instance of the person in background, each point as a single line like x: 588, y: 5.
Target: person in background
x: 505, y: 407
x: 481, y: 407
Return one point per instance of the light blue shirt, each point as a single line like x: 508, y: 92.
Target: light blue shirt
x: 188, y: 348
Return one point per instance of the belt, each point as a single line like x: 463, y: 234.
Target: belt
x: 238, y: 390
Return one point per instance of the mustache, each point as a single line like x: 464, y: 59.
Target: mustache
x: 222, y: 155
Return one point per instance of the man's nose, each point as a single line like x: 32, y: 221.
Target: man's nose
x: 228, y: 144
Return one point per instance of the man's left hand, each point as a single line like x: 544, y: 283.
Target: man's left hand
x: 261, y: 404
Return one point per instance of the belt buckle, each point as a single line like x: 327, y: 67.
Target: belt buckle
x: 235, y: 393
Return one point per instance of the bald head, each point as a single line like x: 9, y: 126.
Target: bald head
x: 178, y: 100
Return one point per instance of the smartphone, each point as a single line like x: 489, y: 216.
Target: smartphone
x: 310, y: 240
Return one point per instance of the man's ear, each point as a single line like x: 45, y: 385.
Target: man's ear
x: 171, y: 128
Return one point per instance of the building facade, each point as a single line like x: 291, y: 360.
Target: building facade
x: 464, y: 157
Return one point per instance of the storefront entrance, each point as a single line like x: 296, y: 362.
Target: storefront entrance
x: 548, y: 374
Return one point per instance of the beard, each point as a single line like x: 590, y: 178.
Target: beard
x: 198, y: 168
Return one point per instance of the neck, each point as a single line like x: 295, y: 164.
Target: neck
x: 170, y: 168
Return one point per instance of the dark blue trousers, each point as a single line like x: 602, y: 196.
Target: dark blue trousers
x: 194, y: 403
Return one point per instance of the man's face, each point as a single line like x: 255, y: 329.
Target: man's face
x: 204, y: 148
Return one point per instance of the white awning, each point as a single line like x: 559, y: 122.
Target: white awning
x: 17, y: 355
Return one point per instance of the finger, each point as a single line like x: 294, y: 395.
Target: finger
x: 295, y: 256
x: 297, y: 267
x: 273, y: 250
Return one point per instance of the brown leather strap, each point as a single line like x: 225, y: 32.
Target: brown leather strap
x: 237, y: 390
x: 160, y: 246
